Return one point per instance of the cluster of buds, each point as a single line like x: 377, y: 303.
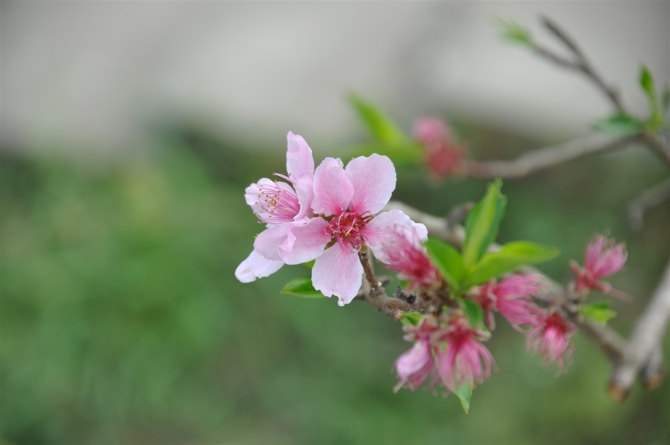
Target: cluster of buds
x: 448, y: 351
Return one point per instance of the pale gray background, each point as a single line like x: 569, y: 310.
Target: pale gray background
x: 89, y: 77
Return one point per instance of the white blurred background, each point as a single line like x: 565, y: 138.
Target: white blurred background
x: 92, y: 76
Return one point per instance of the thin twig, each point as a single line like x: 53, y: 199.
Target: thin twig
x: 582, y: 64
x: 646, y: 200
x: 374, y: 293
x: 546, y: 157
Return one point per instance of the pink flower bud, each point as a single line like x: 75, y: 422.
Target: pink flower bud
x: 550, y: 336
x: 603, y: 258
x: 444, y: 155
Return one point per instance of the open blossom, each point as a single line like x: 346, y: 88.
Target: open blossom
x: 603, y: 258
x: 512, y: 298
x: 464, y: 359
x: 281, y: 207
x: 550, y: 336
x: 403, y: 253
x: 444, y: 155
x: 327, y: 215
x: 346, y: 201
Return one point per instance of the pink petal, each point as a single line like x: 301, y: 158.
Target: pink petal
x: 309, y: 241
x: 267, y: 242
x: 304, y: 190
x: 332, y: 188
x: 251, y: 194
x: 385, y: 225
x: 374, y: 180
x: 338, y: 272
x: 256, y: 266
x: 299, y: 158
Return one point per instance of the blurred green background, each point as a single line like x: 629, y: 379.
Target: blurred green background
x: 122, y: 321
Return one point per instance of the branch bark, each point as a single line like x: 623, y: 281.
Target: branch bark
x: 546, y: 157
x: 644, y: 342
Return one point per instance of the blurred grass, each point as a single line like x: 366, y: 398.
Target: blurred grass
x: 122, y: 321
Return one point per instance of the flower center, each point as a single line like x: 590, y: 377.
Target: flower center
x: 278, y: 202
x: 347, y: 227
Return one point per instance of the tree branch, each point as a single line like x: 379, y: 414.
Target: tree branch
x: 644, y: 342
x: 583, y: 65
x: 646, y: 200
x: 546, y: 157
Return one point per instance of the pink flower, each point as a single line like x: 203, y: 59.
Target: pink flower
x: 347, y: 200
x: 512, y: 298
x: 551, y: 337
x: 464, y: 359
x: 281, y: 207
x: 414, y: 366
x: 603, y: 258
x: 443, y: 154
x: 404, y: 253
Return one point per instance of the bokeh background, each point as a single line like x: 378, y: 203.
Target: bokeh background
x: 129, y: 132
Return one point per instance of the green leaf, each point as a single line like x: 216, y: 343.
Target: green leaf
x: 447, y: 260
x: 647, y: 83
x: 508, y: 258
x: 302, y: 287
x: 464, y: 392
x: 380, y: 126
x: 619, y: 124
x: 309, y: 264
x: 665, y: 100
x: 598, y: 311
x: 407, y: 153
x: 482, y: 224
x: 474, y: 312
x: 513, y: 32
x: 411, y: 318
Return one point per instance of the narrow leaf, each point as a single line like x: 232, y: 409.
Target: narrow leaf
x: 513, y: 32
x: 619, y: 124
x: 647, y: 83
x: 474, y: 312
x: 464, y: 392
x: 447, y: 260
x: 508, y: 258
x: 302, y: 287
x: 380, y: 126
x: 482, y: 224
x: 411, y: 318
x: 406, y: 153
x: 598, y: 311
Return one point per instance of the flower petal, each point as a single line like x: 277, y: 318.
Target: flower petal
x: 374, y: 180
x: 304, y: 190
x: 309, y: 241
x: 256, y: 266
x: 338, y: 272
x: 299, y: 158
x: 332, y: 188
x: 385, y: 225
x: 267, y: 242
